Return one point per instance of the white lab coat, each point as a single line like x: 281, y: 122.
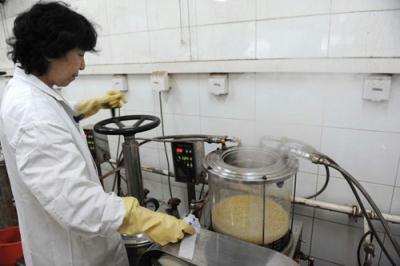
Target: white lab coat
x: 64, y: 215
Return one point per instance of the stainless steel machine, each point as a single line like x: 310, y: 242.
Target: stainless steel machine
x: 135, y: 244
x: 249, y: 188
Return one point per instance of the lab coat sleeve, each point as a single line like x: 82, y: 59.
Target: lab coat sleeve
x: 52, y: 167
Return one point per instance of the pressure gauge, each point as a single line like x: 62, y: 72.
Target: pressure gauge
x: 152, y: 204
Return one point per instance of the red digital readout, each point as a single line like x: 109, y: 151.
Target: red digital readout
x: 179, y: 150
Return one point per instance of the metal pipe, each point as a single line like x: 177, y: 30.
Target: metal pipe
x: 134, y: 179
x: 369, y: 250
x: 156, y: 171
x: 351, y: 210
x: 193, y: 137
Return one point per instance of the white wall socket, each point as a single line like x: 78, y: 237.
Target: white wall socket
x: 160, y: 81
x: 120, y: 82
x: 377, y: 87
x: 218, y: 84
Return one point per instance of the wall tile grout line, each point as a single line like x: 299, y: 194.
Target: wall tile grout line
x: 330, y: 30
x: 314, y: 210
x: 255, y: 30
x: 394, y: 186
x: 365, y: 181
x: 282, y: 18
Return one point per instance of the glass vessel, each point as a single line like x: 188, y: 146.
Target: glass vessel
x: 250, y: 193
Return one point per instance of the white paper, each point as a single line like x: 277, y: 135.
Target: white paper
x: 188, y: 244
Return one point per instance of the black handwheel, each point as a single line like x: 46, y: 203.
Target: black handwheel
x: 117, y: 125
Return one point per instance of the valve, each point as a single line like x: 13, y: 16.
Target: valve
x: 172, y: 209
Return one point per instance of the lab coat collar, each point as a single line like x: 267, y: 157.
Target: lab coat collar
x: 35, y: 81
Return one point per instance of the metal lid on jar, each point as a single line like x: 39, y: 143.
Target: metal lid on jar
x: 251, y: 164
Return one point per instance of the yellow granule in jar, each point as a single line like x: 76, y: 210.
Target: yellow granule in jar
x: 242, y: 217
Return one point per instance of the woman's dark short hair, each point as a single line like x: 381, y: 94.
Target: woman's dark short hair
x: 48, y: 31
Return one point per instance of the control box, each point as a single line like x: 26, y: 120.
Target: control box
x: 160, y: 81
x: 187, y: 158
x: 377, y: 87
x: 98, y: 145
x: 218, y: 84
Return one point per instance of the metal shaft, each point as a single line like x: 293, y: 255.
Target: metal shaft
x: 133, y: 170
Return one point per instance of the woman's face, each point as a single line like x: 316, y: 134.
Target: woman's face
x: 64, y: 70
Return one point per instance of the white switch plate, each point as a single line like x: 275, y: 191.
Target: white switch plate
x: 218, y: 84
x: 120, y: 82
x: 377, y: 87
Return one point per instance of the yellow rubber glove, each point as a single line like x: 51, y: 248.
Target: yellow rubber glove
x: 112, y: 99
x: 160, y: 227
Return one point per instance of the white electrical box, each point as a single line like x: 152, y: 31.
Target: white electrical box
x: 218, y: 84
x: 377, y: 88
x: 120, y: 82
x: 159, y: 81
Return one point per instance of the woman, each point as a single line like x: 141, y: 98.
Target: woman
x: 64, y: 215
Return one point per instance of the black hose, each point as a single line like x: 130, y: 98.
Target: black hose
x: 324, y: 186
x: 370, y: 224
x: 119, y: 189
x: 374, y: 207
x: 114, y: 182
x: 352, y: 181
x: 165, y: 146
x: 360, y: 245
x: 201, y: 191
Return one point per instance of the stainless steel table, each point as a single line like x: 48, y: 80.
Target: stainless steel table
x: 220, y: 250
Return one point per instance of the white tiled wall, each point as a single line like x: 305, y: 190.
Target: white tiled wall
x: 95, y: 13
x: 267, y: 9
x: 345, y: 108
x: 126, y: 16
x: 383, y: 147
x: 213, y: 12
x: 293, y: 37
x: 323, y: 110
x: 135, y: 47
x: 363, y: 5
x: 175, y: 41
x: 366, y: 34
x: 104, y: 51
x: 175, y: 30
x: 326, y: 241
x: 226, y: 41
x: 166, y: 14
